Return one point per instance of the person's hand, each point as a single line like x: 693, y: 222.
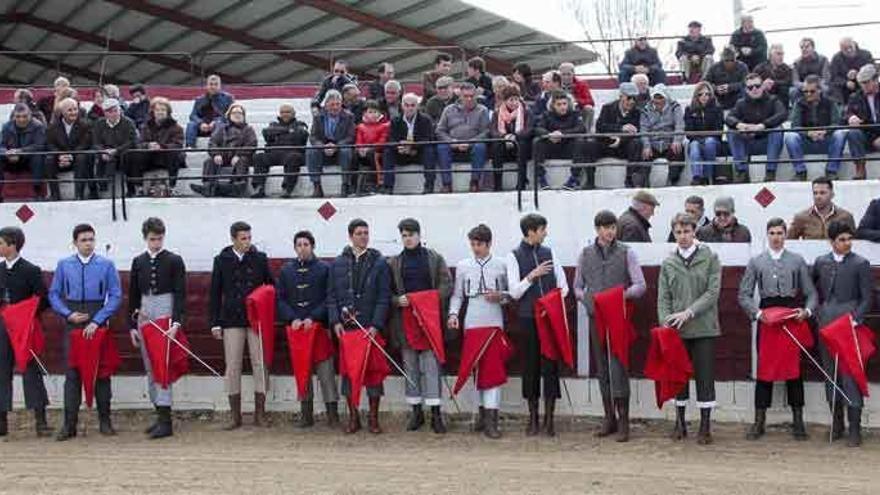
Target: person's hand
x: 105, y: 157
x: 494, y: 296
x: 218, y: 160
x: 338, y: 328
x: 539, y: 271
x: 768, y: 84
x: 403, y: 149
x: 801, y: 314
x: 641, y: 69
x: 154, y: 146
x: 851, y: 75
x: 217, y: 332
x: 854, y: 120
x: 12, y: 152
x: 330, y: 150
x: 615, y: 142
x: 205, y: 127
x: 135, y: 338
x: 452, y: 322
x: 464, y: 147
x: 372, y: 331
x: 296, y: 324
x: 677, y: 320
x: 676, y: 147
x: 172, y: 331
x: 742, y: 126
x: 816, y: 135
x: 555, y: 136
x: 629, y: 129
x: 403, y: 301
x: 65, y: 160
x: 647, y: 153
x: 746, y: 51
x: 307, y: 323
x: 695, y: 59
x: 89, y: 330
x: 362, y: 152
x: 722, y: 89
x: 851, y: 85
x: 77, y: 317
x: 235, y: 160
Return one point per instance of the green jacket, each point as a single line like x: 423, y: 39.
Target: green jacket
x: 441, y: 279
x: 695, y: 287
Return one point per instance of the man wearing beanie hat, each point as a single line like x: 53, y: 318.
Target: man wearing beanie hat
x: 724, y: 227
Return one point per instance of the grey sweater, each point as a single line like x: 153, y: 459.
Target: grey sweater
x: 456, y: 123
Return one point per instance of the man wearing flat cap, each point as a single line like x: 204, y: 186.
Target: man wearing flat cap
x: 724, y: 227
x: 863, y: 111
x: 633, y: 224
x: 694, y: 53
x: 113, y: 135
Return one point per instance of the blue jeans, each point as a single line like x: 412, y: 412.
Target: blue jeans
x: 859, y: 142
x: 799, y: 144
x: 744, y: 146
x: 315, y: 160
x: 192, y: 131
x: 477, y: 153
x: 425, y: 156
x: 701, y: 154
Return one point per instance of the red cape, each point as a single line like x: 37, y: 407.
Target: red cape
x: 260, y: 304
x: 779, y: 357
x: 421, y: 323
x: 611, y: 315
x: 853, y: 344
x: 168, y: 361
x: 364, y: 365
x: 490, y: 367
x: 93, y: 358
x: 552, y: 324
x: 307, y: 347
x: 24, y: 330
x: 667, y: 364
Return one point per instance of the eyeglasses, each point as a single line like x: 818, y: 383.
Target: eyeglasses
x: 338, y: 71
x: 628, y: 97
x: 722, y: 213
x: 753, y: 86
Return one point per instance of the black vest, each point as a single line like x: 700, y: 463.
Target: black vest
x: 528, y: 258
x: 817, y: 116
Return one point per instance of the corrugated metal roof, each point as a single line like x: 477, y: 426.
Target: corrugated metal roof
x: 381, y: 30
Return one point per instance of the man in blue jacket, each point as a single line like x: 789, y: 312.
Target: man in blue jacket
x: 360, y: 284
x: 207, y: 110
x: 23, y: 134
x: 85, y: 292
x: 301, y: 291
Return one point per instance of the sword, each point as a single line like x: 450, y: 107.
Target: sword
x: 185, y: 349
x: 565, y: 385
x: 833, y: 402
x: 347, y: 314
x: 816, y: 364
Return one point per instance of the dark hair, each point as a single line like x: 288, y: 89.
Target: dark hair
x: 137, y: 88
x: 354, y: 224
x: 557, y: 94
x: 237, y: 227
x: 824, y: 180
x: 524, y: 69
x: 442, y: 57
x: 837, y: 228
x: 13, y: 236
x: 81, y: 229
x: 304, y: 234
x: 556, y: 77
x: 341, y: 62
x: 467, y: 86
x: 605, y: 218
x: 21, y: 108
x: 813, y: 79
x: 480, y: 233
x: 477, y: 63
x: 409, y: 225
x: 776, y: 222
x: 753, y: 75
x: 530, y: 222
x: 153, y: 225
x: 509, y: 91
x: 372, y: 105
x: 696, y: 200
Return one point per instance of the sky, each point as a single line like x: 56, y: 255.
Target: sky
x: 717, y: 16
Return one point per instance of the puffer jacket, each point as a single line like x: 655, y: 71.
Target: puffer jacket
x: 671, y: 118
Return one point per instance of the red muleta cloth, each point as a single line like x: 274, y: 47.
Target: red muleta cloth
x: 168, y: 361
x: 421, y: 323
x: 668, y: 364
x: 362, y: 363
x: 93, y: 358
x: 260, y: 305
x: 611, y: 314
x: 307, y: 346
x: 486, y: 350
x: 779, y: 357
x: 552, y: 324
x: 24, y: 330
x: 853, y: 344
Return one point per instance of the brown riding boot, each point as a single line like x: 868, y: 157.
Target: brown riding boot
x: 680, y: 431
x: 234, y: 412
x: 861, y: 173
x: 491, y: 430
x: 259, y: 409
x: 609, y: 422
x: 704, y: 436
x: 373, y: 418
x: 354, y: 418
x: 549, y: 410
x: 623, y: 419
x: 332, y: 414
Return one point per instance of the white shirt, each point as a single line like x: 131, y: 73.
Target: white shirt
x: 238, y: 255
x: 686, y: 253
x: 838, y: 257
x: 85, y: 260
x: 775, y: 255
x: 153, y: 255
x: 67, y: 127
x: 473, y: 278
x: 10, y: 264
x: 519, y: 288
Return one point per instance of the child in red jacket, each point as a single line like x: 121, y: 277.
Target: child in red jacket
x: 373, y: 130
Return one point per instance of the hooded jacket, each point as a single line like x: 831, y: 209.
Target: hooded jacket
x: 671, y: 118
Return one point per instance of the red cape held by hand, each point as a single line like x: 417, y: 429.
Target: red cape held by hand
x: 260, y: 305
x: 667, y: 364
x: 168, y: 361
x: 24, y: 330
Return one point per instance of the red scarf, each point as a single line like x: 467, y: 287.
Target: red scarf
x: 506, y: 116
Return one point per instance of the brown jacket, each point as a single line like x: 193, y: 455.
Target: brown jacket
x: 736, y: 232
x: 441, y: 279
x: 809, y: 224
x: 631, y: 227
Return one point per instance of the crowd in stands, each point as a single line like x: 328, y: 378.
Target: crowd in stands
x: 743, y: 105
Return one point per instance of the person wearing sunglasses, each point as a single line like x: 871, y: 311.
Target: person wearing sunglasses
x: 749, y: 120
x: 336, y: 80
x: 862, y: 116
x: 703, y: 115
x: 728, y: 78
x: 621, y: 116
x: 724, y: 227
x: 815, y: 110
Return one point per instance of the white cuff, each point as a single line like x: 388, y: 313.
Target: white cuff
x: 680, y: 403
x: 432, y: 402
x: 706, y: 405
x: 414, y: 401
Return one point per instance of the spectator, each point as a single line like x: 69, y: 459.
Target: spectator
x: 643, y: 86
x: 287, y: 130
x: 25, y: 96
x: 694, y: 53
x: 113, y: 135
x: 616, y: 117
x: 337, y: 80
x: 511, y: 121
x: 498, y: 85
x: 443, y: 97
x: 465, y: 120
x: 813, y: 222
x: 71, y: 133
x: 633, y: 224
x: 373, y: 130
x: 390, y: 106
x: 749, y: 120
x: 352, y: 101
x: 332, y: 130
x: 869, y: 226
x: 724, y: 227
x: 96, y: 112
x: 750, y: 43
x: 728, y: 77
x: 112, y: 91
x: 23, y: 134
x: 862, y: 111
x: 808, y: 64
x: 559, y: 121
x: 64, y: 93
x: 662, y: 115
x: 695, y: 208
x: 476, y: 75
x: 550, y: 81
x: 815, y: 110
x: 579, y: 89
x: 442, y: 67
x: 777, y: 75
x: 409, y: 129
x: 163, y: 136
x: 376, y: 89
x: 845, y: 66
x: 237, y: 140
x: 522, y: 77
x: 208, y: 110
x: 703, y: 115
x: 642, y: 59
x: 46, y: 104
x: 140, y: 106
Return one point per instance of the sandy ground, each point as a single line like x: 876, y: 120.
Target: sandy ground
x: 201, y: 458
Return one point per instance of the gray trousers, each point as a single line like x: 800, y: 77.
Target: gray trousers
x: 327, y: 380
x: 613, y: 385
x: 424, y: 369
x: 154, y: 307
x: 702, y: 354
x: 35, y: 396
x: 845, y: 382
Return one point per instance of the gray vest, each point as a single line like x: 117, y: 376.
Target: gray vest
x: 528, y: 258
x: 604, y: 268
